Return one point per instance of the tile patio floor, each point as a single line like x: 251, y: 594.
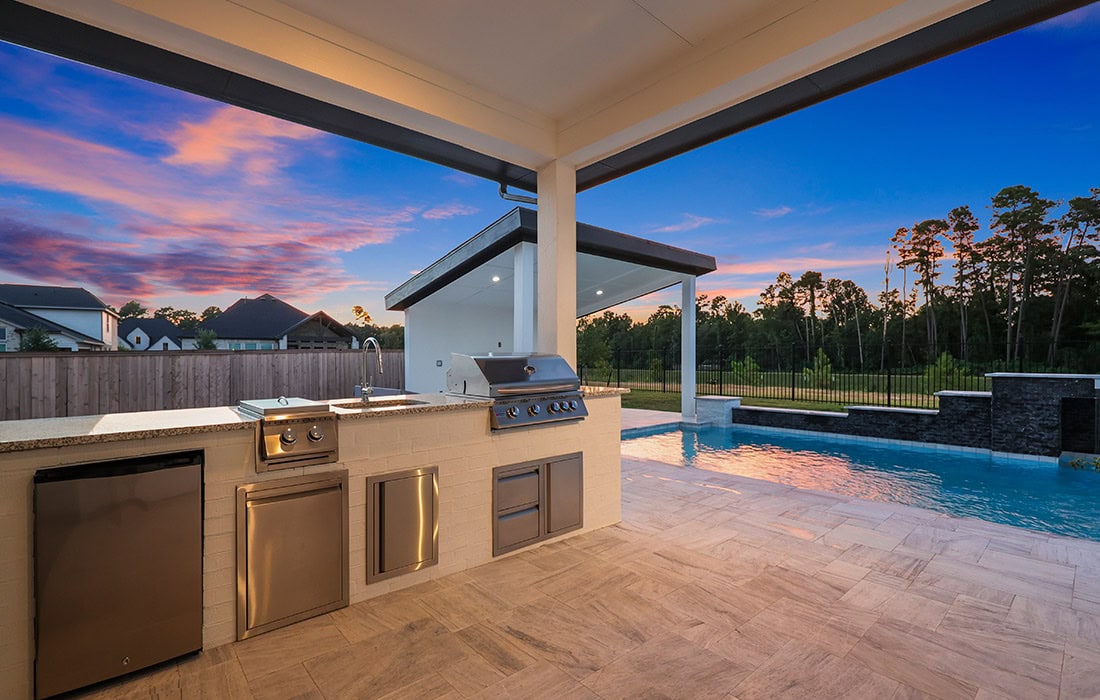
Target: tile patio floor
x: 713, y: 586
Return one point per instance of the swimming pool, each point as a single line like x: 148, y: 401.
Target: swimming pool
x: 1035, y: 495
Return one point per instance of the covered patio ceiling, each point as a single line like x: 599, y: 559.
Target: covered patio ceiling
x: 501, y: 88
x: 612, y: 268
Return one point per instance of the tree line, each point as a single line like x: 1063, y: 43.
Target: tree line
x: 1024, y: 292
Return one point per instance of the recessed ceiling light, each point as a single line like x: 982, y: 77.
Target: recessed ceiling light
x: 496, y: 278
x: 599, y: 292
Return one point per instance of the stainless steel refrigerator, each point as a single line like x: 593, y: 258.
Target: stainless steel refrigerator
x: 118, y: 568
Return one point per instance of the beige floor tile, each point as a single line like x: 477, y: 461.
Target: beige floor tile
x: 386, y: 662
x: 891, y: 563
x: 457, y: 607
x: 542, y: 681
x: 836, y: 628
x: 750, y: 644
x: 723, y: 606
x: 496, y: 647
x: 801, y: 670
x: 289, y: 646
x: 471, y: 675
x: 223, y: 679
x: 1080, y: 678
x: 161, y: 683
x: 891, y: 648
x: 687, y: 671
x: 292, y: 683
x: 777, y: 582
x: 430, y: 687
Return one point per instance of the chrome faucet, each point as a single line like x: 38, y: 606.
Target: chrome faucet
x: 366, y: 383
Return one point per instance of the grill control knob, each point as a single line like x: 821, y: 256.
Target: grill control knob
x: 534, y: 410
x: 572, y: 405
x: 288, y: 437
x: 554, y: 407
x: 512, y: 412
x: 316, y: 434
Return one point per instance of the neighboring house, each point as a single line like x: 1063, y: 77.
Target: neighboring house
x: 74, y: 317
x: 149, y: 334
x: 268, y: 323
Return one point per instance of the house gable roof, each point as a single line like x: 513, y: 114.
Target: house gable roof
x: 155, y: 328
x: 24, y: 320
x: 263, y: 318
x: 324, y: 319
x: 34, y: 296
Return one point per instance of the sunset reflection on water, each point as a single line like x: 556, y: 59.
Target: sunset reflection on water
x: 1041, y: 497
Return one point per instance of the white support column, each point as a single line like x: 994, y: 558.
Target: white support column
x: 524, y: 311
x: 557, y: 261
x: 687, y: 348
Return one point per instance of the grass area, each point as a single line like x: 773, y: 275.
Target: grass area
x: 670, y: 401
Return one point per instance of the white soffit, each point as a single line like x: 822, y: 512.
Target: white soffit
x: 601, y: 283
x: 525, y: 81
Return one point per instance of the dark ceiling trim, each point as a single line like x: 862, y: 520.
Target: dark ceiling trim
x: 519, y: 225
x: 982, y: 23
x: 61, y: 36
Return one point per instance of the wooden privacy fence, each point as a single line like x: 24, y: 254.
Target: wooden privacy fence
x: 50, y: 385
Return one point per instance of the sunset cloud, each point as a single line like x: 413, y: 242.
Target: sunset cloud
x: 690, y: 222
x: 252, y: 142
x: 449, y: 211
x: 775, y: 213
x: 795, y: 265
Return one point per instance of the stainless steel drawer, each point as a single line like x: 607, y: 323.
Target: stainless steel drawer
x: 517, y: 490
x: 517, y: 528
x: 292, y: 550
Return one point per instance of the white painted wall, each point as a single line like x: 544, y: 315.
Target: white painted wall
x: 89, y: 322
x: 434, y: 329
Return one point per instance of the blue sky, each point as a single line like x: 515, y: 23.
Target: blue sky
x: 134, y: 190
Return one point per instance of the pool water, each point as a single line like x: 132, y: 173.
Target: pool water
x: 1033, y: 495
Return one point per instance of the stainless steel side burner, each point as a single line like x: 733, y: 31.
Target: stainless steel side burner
x: 293, y: 432
x: 527, y: 389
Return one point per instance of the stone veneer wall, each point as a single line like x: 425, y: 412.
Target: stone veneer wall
x: 459, y: 442
x: 1028, y: 411
x: 1023, y: 414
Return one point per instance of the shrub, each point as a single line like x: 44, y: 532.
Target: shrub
x: 745, y: 371
x: 946, y: 373
x: 820, y: 375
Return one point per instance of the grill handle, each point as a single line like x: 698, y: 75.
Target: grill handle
x: 528, y: 388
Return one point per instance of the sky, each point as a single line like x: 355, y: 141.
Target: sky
x: 137, y: 191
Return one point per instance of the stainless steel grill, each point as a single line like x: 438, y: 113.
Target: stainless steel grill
x: 293, y: 432
x: 527, y: 389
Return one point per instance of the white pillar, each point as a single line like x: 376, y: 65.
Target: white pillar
x: 557, y: 261
x: 524, y: 311
x: 687, y: 348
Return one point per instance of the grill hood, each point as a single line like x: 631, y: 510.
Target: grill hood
x: 495, y: 376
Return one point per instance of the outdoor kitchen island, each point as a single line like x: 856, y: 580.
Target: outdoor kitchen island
x: 450, y: 433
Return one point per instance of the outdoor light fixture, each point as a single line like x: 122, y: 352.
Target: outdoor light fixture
x: 599, y: 292
x: 496, y: 278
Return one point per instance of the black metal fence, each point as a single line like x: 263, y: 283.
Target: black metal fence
x: 791, y: 374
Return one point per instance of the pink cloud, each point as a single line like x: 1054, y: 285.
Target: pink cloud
x: 251, y: 141
x: 773, y: 213
x: 690, y: 222
x: 449, y: 211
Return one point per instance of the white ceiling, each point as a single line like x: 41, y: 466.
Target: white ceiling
x: 525, y: 81
x: 601, y: 284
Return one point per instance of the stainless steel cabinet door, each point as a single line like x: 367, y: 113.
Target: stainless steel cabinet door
x: 295, y: 554
x: 402, y: 522
x: 564, y: 495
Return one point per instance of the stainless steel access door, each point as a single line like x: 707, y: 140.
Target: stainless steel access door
x: 118, y: 568
x: 292, y: 550
x: 402, y: 522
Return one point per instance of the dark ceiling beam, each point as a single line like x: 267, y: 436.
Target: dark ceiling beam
x: 982, y: 23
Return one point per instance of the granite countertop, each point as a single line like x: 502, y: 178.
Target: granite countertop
x: 38, y: 433
x: 35, y: 433
x: 404, y: 404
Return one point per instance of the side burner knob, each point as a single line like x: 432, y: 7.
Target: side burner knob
x: 316, y: 434
x: 288, y: 437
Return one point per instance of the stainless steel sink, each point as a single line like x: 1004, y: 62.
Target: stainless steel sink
x: 377, y: 403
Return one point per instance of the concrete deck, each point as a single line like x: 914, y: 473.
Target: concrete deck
x: 713, y: 586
